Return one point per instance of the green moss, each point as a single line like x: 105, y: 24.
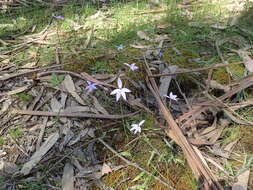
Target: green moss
x: 220, y: 75
x: 237, y: 70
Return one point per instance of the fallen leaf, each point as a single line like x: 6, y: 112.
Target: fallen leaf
x: 242, y: 183
x: 230, y: 146
x: 68, y: 134
x: 215, y: 85
x: 70, y: 86
x: 18, y: 90
x: 36, y: 157
x: 98, y: 106
x: 5, y: 105
x: 68, y: 177
x: 142, y: 35
x: 162, y: 38
x: 248, y: 62
x: 55, y: 105
x: 162, y: 26
x: 83, y: 133
x: 165, y: 81
x: 106, y: 169
x: 139, y: 46
x: 219, y: 26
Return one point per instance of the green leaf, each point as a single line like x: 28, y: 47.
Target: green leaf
x: 126, y: 154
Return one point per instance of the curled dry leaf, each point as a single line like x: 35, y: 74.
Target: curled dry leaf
x: 105, y: 169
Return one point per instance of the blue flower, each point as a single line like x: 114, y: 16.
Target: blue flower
x: 58, y: 17
x: 120, y: 47
x: 91, y: 86
x: 160, y: 54
x: 132, y: 67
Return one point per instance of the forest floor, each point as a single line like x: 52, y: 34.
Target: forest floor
x: 184, y: 66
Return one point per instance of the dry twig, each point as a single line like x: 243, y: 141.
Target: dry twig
x: 76, y: 114
x: 193, y: 155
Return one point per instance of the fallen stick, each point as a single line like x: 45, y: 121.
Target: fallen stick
x: 196, y: 70
x: 194, y: 157
x: 27, y: 72
x: 77, y: 114
x: 83, y: 76
x: 192, y: 114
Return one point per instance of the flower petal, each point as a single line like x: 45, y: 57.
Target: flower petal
x: 118, y: 96
x: 125, y: 90
x: 127, y: 64
x: 123, y: 95
x: 115, y: 91
x: 119, y: 83
x: 141, y: 123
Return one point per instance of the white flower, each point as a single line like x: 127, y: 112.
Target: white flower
x: 137, y: 127
x: 120, y: 91
x: 132, y: 66
x: 171, y: 96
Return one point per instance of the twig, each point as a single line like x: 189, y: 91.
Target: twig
x: 228, y: 109
x: 193, y: 155
x: 83, y: 76
x: 196, y: 70
x: 77, y: 114
x: 242, y: 84
x: 27, y: 72
x: 134, y: 164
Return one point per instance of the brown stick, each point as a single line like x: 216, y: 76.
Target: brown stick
x: 242, y: 84
x: 77, y: 114
x: 196, y: 70
x: 83, y: 76
x: 201, y: 171
x: 27, y: 72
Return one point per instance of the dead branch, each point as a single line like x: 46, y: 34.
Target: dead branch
x: 193, y: 155
x: 196, y: 70
x: 77, y: 115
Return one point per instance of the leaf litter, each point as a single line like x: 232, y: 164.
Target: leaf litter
x: 63, y: 137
